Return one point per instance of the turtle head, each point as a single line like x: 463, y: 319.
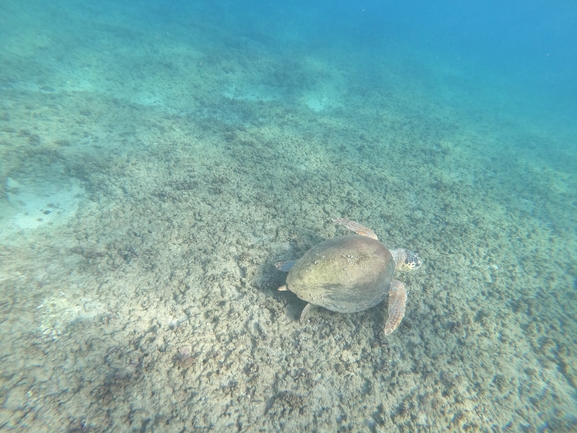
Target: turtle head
x: 412, y: 261
x: 406, y: 260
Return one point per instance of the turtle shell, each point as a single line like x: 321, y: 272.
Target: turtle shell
x: 343, y: 274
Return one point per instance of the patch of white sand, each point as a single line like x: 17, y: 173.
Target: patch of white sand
x: 147, y: 98
x: 32, y: 206
x: 316, y: 102
x: 57, y: 313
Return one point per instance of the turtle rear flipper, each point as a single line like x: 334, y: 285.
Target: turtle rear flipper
x: 397, y: 305
x: 307, y: 311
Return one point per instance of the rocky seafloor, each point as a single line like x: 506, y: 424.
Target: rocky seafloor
x: 139, y: 233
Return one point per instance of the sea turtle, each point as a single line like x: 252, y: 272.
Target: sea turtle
x: 351, y: 273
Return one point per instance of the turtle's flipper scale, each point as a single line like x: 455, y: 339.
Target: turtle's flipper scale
x: 356, y: 227
x: 397, y: 305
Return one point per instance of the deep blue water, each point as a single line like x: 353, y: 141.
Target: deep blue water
x: 530, y: 45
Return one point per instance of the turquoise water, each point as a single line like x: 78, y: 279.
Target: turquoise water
x: 157, y: 160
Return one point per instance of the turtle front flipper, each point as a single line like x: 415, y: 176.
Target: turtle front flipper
x: 397, y: 305
x: 356, y: 227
